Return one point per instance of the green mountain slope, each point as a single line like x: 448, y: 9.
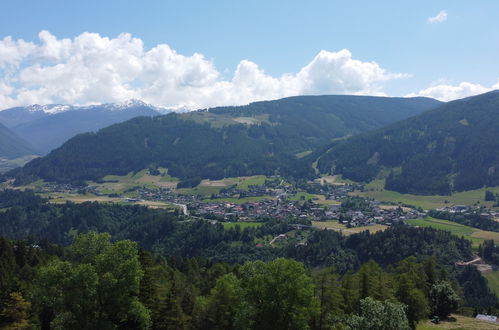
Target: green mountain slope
x: 12, y: 146
x: 261, y: 138
x: 453, y: 147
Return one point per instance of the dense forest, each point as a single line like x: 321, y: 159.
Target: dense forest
x: 451, y: 148
x: 261, y: 138
x: 58, y: 272
x: 96, y: 283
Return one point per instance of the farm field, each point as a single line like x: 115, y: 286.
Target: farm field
x: 61, y: 199
x: 120, y: 183
x: 210, y: 187
x: 376, y: 190
x: 335, y: 225
x: 476, y: 236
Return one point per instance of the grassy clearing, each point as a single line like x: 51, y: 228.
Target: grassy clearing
x: 242, y: 224
x: 493, y: 280
x: 118, y: 184
x: 458, y: 322
x: 221, y: 120
x: 376, y: 190
x: 335, y: 225
x: 210, y: 187
x: 476, y: 236
x: 245, y: 182
x: 61, y: 199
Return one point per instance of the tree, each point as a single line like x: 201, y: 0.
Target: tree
x: 444, y: 299
x: 224, y: 302
x: 327, y: 291
x: 489, y: 196
x: 379, y: 315
x: 277, y: 295
x: 414, y: 298
x: 16, y: 313
x: 97, y: 289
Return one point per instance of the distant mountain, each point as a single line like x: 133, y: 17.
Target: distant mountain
x: 260, y: 138
x: 48, y: 127
x: 454, y: 147
x: 12, y: 146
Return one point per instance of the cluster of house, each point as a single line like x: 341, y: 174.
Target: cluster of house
x: 490, y: 214
x: 66, y: 188
x: 275, y: 208
x: 372, y: 216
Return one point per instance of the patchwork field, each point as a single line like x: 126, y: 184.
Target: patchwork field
x: 210, y: 187
x: 118, y: 184
x: 376, y: 190
x: 335, y: 225
x: 62, y: 198
x: 476, y: 236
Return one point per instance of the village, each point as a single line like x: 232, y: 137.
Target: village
x: 269, y: 200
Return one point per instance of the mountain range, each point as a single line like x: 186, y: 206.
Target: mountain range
x: 453, y: 147
x: 261, y: 138
x: 49, y: 126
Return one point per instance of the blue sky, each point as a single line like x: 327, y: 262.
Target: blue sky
x: 276, y: 38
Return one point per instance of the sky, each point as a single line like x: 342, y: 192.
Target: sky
x: 197, y: 54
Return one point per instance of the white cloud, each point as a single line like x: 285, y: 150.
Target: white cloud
x: 91, y: 69
x: 439, y: 18
x: 447, y: 92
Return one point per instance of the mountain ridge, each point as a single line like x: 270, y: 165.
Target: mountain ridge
x: 260, y: 138
x: 450, y: 148
x: 48, y: 126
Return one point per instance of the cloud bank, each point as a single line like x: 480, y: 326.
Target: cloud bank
x: 92, y: 69
x: 447, y: 92
x: 438, y: 18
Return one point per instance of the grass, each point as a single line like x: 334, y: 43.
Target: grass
x: 476, y: 236
x: 245, y: 182
x: 242, y: 224
x: 209, y: 187
x: 118, y: 184
x: 376, y: 190
x: 221, y: 120
x: 335, y: 225
x: 493, y: 281
x: 61, y: 199
x: 458, y: 322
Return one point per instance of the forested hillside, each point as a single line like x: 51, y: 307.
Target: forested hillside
x: 12, y: 146
x: 451, y: 148
x: 261, y: 138
x: 202, y: 276
x: 47, y: 131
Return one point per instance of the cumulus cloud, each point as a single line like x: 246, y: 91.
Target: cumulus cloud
x: 447, y: 92
x: 90, y: 69
x: 438, y: 18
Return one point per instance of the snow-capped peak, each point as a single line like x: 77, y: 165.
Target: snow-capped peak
x: 49, y: 108
x: 57, y: 108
